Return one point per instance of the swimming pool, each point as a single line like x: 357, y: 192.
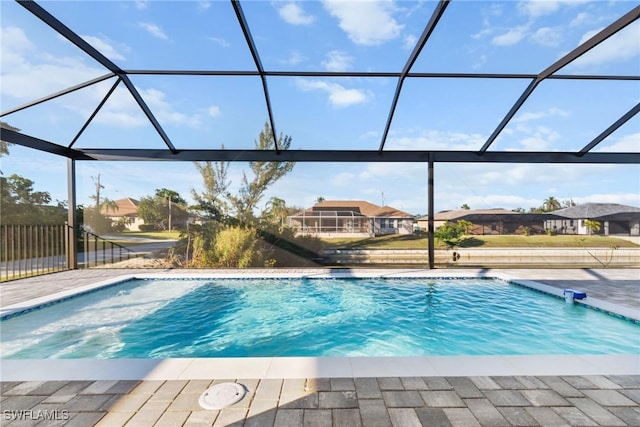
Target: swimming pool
x: 313, y: 317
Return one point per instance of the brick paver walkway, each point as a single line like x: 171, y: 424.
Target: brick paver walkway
x: 398, y: 402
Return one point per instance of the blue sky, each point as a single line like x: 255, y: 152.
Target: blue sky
x: 330, y: 113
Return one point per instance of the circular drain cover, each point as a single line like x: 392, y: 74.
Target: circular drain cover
x: 222, y: 395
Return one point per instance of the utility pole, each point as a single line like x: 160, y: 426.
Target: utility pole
x: 169, y: 213
x: 98, y: 187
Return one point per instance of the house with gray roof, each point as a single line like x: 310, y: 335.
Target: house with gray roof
x: 491, y: 221
x: 615, y: 219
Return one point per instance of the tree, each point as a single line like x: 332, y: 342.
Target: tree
x: 451, y: 232
x: 216, y: 185
x: 465, y: 207
x: 264, y: 175
x: 550, y: 204
x: 216, y: 195
x: 592, y: 225
x: 320, y: 200
x: 164, y: 209
x: 4, y: 145
x: 276, y: 211
x: 20, y: 204
x: 231, y: 236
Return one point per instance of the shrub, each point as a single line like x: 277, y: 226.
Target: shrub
x: 235, y: 247
x: 147, y: 227
x: 450, y: 232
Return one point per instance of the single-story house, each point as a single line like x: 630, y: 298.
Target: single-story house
x: 126, y: 209
x: 613, y: 218
x: 491, y: 221
x: 350, y: 218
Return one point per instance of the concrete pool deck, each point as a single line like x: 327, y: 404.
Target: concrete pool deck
x: 460, y: 390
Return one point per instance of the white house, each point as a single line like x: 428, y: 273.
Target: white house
x: 614, y: 219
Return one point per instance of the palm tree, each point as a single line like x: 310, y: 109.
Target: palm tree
x: 592, y: 225
x: 108, y: 205
x: 550, y: 204
x: 276, y: 209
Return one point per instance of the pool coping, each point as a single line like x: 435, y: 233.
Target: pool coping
x: 316, y: 367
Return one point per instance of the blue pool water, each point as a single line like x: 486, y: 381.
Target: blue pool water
x: 314, y: 317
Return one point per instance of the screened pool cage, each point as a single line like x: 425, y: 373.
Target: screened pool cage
x: 243, y: 19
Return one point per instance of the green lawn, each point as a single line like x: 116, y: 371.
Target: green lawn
x: 415, y: 242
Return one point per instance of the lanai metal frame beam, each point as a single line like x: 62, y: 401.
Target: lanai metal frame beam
x: 589, y: 44
x: 388, y: 74
x: 428, y: 29
x: 608, y: 131
x: 256, y: 58
x: 87, y: 48
x: 361, y: 156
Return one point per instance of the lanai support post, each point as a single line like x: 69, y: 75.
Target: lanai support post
x: 430, y: 226
x: 72, y: 225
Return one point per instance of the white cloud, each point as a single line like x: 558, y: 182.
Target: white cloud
x: 625, y: 144
x: 369, y: 135
x: 409, y: 41
x: 337, y: 60
x: 541, y: 140
x: 220, y: 41
x: 486, y: 31
x: 295, y: 58
x: 142, y: 4
x: 629, y: 199
x: 204, y: 4
x: 13, y: 44
x: 387, y: 171
x: 580, y: 19
x: 511, y: 37
x: 26, y: 79
x: 339, y: 96
x: 479, y: 63
x: 121, y: 110
x: 365, y: 22
x: 547, y: 36
x: 164, y: 111
x: 620, y: 47
x: 437, y: 140
x: 214, y: 111
x: 537, y: 8
x: 293, y: 14
x: 153, y: 29
x: 489, y: 201
x: 105, y: 47
x: 537, y: 115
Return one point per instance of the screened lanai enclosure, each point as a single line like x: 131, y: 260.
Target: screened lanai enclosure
x: 255, y: 112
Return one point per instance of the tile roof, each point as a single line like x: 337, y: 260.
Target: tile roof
x: 363, y: 207
x: 126, y: 207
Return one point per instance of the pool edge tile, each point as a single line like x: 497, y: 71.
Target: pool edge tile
x: 232, y: 367
x: 309, y: 367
